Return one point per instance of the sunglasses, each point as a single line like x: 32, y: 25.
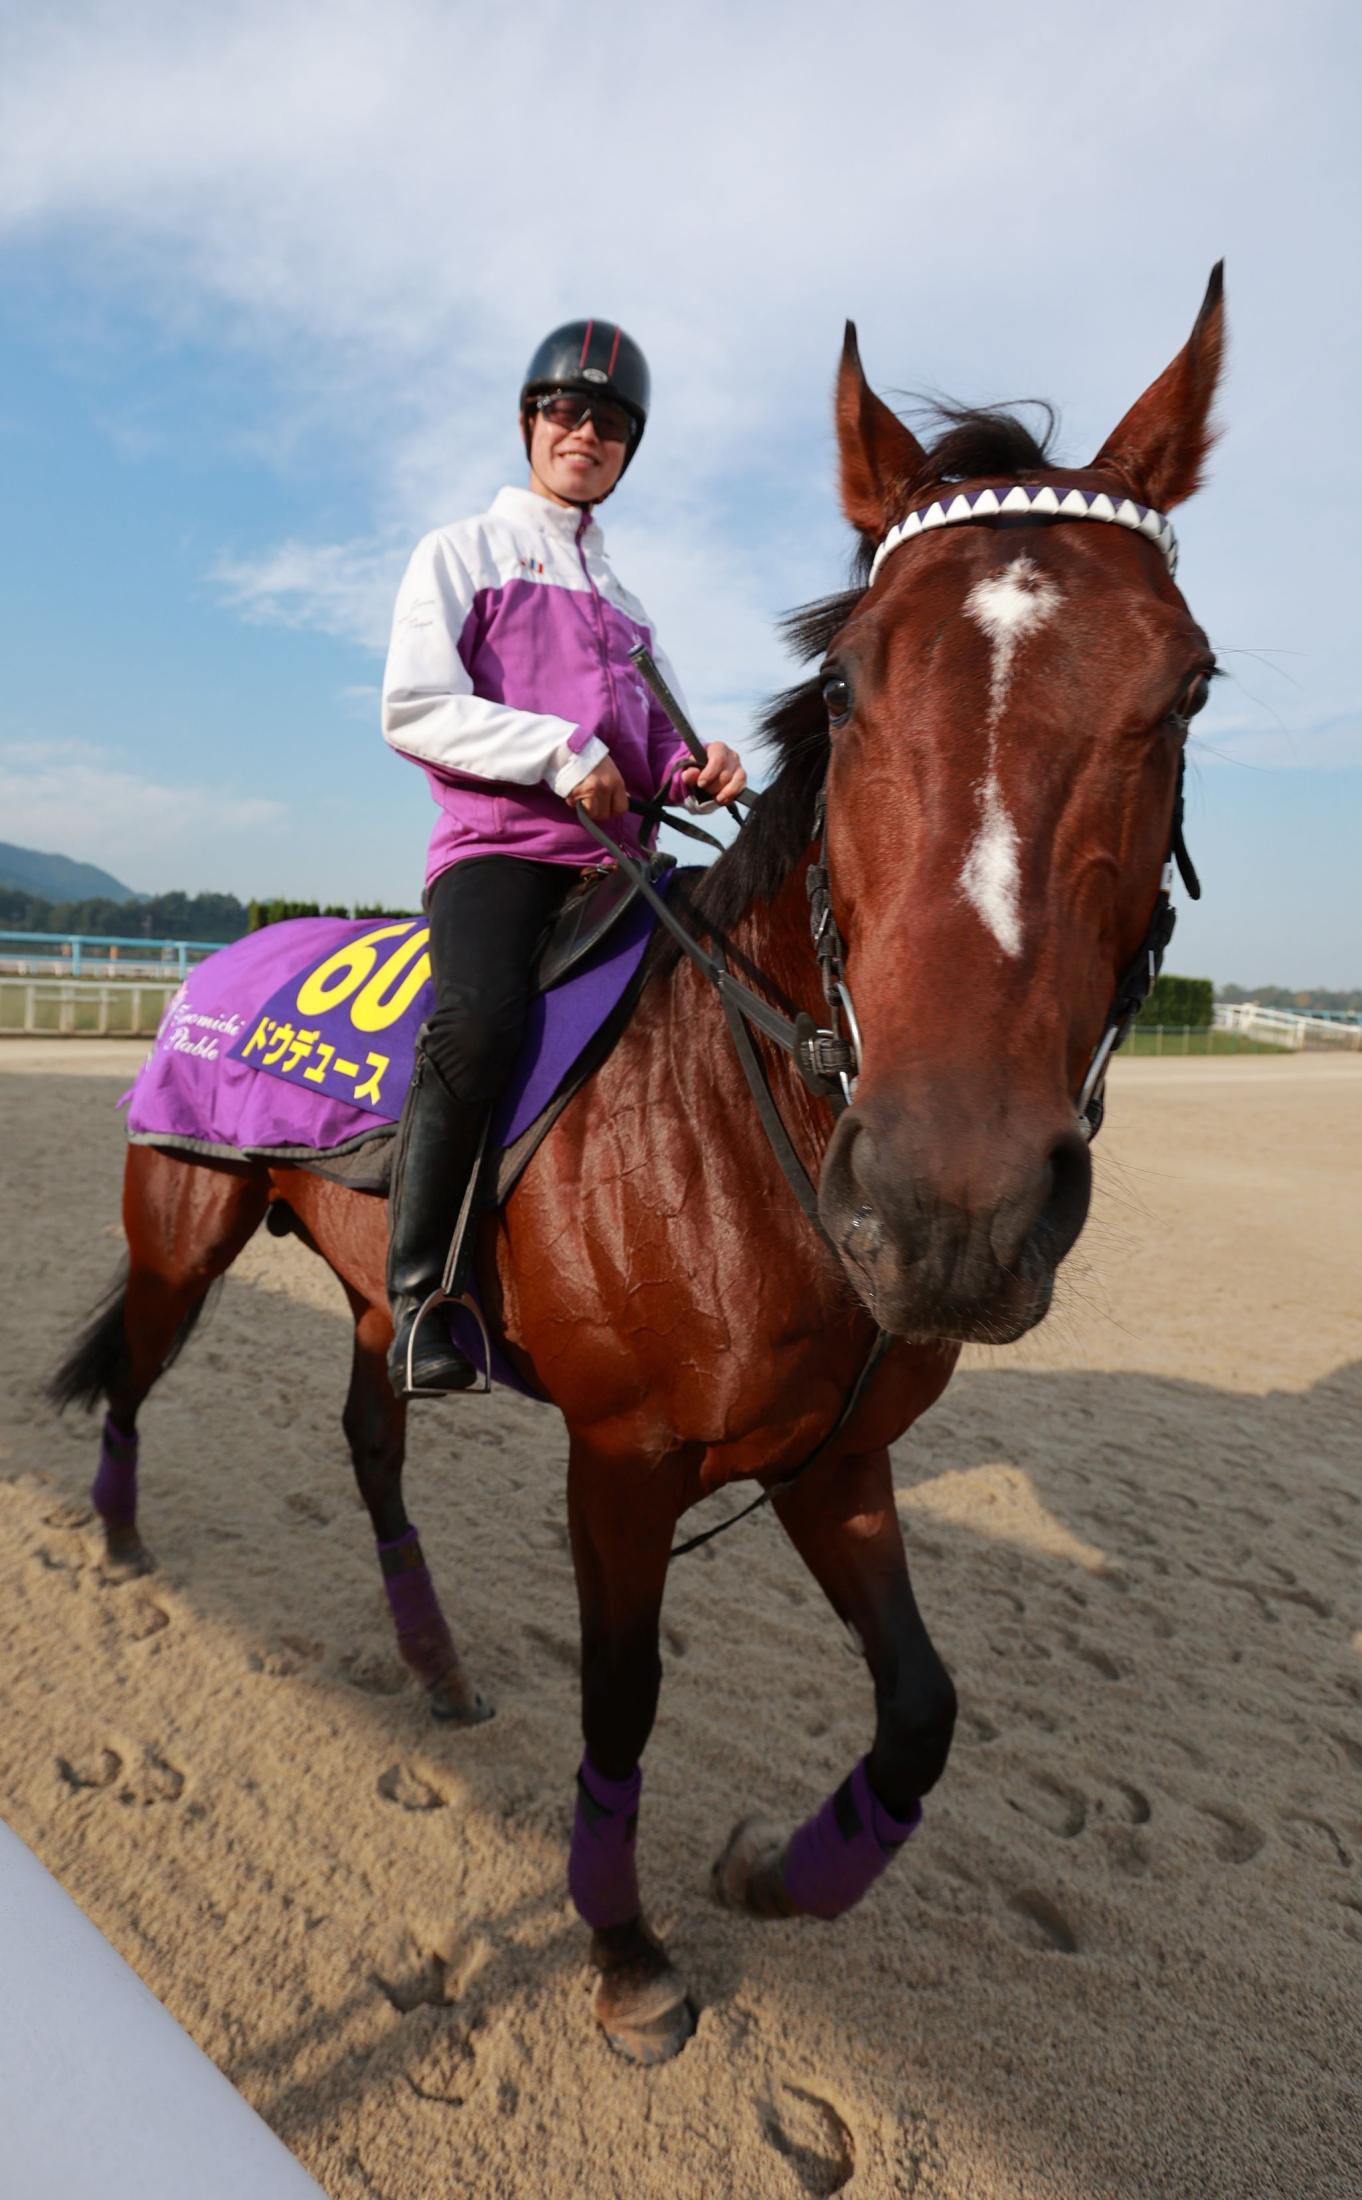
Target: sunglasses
x: 612, y: 423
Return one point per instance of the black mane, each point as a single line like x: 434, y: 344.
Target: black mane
x: 974, y: 442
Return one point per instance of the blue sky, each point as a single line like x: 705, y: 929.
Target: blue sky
x: 269, y: 275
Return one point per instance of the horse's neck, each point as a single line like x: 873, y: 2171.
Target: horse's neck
x: 772, y: 944
x: 770, y: 949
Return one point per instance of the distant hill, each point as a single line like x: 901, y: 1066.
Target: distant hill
x: 58, y: 878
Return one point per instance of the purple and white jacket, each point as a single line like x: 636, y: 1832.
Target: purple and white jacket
x: 508, y: 679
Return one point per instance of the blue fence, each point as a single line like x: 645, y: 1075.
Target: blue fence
x: 94, y: 955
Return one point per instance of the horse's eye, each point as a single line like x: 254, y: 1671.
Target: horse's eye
x: 1195, y: 697
x: 837, y: 698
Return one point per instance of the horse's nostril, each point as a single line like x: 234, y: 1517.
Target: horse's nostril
x: 864, y: 1234
x: 1066, y: 1206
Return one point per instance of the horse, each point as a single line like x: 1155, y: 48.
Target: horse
x: 991, y: 751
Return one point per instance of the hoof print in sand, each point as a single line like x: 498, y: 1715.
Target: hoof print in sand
x: 1316, y: 1838
x: 1136, y: 1804
x: 99, y: 1771
x: 421, y: 1988
x: 73, y: 1512
x: 405, y: 1787
x: 97, y: 1768
x: 304, y: 1506
x: 70, y: 1560
x: 1049, y: 1803
x: 441, y: 2066
x: 161, y: 1782
x: 143, y: 1619
x: 1040, y: 1923
x: 1236, y: 1840
x: 814, y: 2139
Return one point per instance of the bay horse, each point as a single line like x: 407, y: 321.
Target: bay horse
x: 996, y: 730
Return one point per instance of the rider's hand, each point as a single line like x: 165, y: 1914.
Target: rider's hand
x: 602, y: 794
x: 722, y: 778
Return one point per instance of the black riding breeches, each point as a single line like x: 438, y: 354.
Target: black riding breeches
x: 487, y: 917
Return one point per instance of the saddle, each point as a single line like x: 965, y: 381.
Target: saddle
x: 592, y: 909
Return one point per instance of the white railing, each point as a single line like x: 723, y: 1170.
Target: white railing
x: 1285, y: 1027
x: 81, y: 1008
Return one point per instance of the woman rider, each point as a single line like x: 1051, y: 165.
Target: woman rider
x: 508, y: 678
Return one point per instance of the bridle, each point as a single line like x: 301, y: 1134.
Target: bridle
x: 1054, y: 501
x: 828, y: 1056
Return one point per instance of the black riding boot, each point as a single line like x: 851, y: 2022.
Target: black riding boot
x: 437, y: 1145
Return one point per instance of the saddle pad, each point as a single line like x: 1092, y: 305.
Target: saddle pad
x: 299, y: 1039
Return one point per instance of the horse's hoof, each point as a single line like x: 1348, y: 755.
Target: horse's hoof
x: 641, y: 2002
x: 125, y: 1555
x: 457, y: 1701
x: 747, y: 1874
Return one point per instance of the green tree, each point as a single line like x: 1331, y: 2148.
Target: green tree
x: 1179, y: 1002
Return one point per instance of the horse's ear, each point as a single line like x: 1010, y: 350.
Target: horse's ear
x: 1161, y: 446
x: 880, y: 457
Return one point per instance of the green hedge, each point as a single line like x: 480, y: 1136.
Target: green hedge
x: 1185, y: 1003
x: 261, y: 913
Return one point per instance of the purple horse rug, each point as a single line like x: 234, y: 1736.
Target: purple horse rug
x: 298, y: 1041
x: 297, y: 1044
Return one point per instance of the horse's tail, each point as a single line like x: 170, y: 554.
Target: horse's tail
x: 99, y: 1355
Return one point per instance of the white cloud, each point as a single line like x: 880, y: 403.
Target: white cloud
x: 340, y: 588
x: 71, y: 796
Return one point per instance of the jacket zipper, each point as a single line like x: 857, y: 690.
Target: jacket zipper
x: 583, y: 524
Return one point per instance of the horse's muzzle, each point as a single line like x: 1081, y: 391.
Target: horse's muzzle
x: 954, y: 1236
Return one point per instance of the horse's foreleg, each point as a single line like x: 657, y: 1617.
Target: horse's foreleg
x: 621, y: 1520
x: 846, y: 1529
x: 186, y: 1221
x: 375, y: 1423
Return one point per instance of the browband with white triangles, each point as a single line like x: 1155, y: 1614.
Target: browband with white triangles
x: 1050, y: 502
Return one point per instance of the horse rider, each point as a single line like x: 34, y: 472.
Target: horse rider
x: 508, y: 679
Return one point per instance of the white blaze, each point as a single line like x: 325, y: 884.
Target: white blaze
x: 1008, y: 606
x: 991, y: 879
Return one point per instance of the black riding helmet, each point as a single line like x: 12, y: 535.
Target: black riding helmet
x: 597, y: 359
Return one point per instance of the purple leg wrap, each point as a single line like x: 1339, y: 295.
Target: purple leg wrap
x: 422, y: 1635
x: 833, y: 1858
x: 601, y: 1876
x: 113, y: 1492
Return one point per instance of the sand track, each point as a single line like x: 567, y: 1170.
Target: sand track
x: 1122, y: 1958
